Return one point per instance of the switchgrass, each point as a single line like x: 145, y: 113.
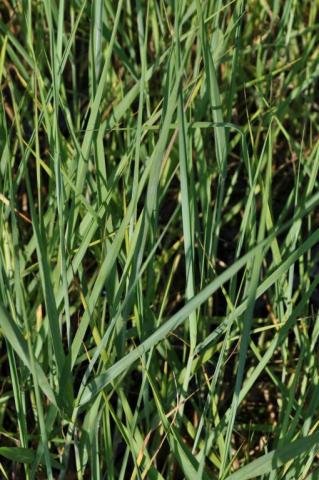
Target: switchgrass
x: 159, y: 239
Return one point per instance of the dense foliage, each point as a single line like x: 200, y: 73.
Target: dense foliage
x: 159, y: 239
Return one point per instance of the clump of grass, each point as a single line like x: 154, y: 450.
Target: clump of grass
x: 159, y: 238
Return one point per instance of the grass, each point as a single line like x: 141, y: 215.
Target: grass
x: 159, y: 239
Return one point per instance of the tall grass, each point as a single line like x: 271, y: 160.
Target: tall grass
x: 159, y: 239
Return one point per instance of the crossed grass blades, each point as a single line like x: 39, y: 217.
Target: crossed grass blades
x: 159, y: 239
